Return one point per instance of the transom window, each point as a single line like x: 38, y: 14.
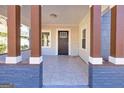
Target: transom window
x: 63, y: 35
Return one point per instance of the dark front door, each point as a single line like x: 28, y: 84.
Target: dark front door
x: 63, y: 43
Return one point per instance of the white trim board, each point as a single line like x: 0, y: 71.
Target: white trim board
x: 93, y: 60
x: 115, y: 60
x: 13, y: 60
x: 36, y: 60
x: 69, y: 43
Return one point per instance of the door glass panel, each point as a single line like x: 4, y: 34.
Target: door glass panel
x: 63, y: 35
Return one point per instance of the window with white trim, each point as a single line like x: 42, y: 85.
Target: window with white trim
x: 84, y: 39
x: 46, y: 42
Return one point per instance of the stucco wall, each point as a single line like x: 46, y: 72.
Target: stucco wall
x: 85, y: 24
x: 74, y: 39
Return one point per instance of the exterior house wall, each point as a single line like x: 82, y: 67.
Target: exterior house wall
x: 73, y: 42
x: 85, y: 24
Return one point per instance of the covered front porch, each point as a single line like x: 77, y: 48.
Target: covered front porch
x: 65, y: 48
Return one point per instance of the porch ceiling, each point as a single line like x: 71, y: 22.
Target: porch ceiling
x: 66, y: 14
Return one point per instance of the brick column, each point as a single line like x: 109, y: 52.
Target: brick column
x: 95, y: 35
x: 117, y: 35
x: 13, y: 13
x: 36, y: 57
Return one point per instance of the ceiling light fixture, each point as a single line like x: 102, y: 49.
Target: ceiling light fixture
x: 54, y: 15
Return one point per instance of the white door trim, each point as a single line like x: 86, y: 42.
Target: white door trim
x: 69, y: 41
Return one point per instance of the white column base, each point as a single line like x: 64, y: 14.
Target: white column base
x: 115, y: 60
x: 93, y: 60
x: 13, y: 60
x: 36, y: 60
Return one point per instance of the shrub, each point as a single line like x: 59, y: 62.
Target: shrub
x: 2, y: 48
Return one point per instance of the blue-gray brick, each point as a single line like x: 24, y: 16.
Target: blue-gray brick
x: 22, y: 76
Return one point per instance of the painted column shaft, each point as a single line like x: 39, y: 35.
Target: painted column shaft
x: 13, y: 22
x: 95, y: 35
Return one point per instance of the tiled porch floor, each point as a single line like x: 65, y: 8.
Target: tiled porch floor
x: 64, y: 71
